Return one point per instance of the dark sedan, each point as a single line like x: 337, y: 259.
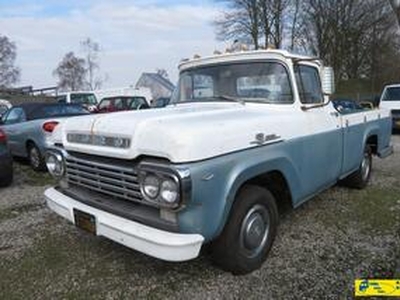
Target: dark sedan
x: 6, y: 166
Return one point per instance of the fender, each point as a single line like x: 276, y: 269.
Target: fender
x: 208, y: 214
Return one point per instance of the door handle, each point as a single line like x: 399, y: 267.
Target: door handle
x: 334, y: 114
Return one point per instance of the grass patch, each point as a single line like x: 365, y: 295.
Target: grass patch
x: 55, y: 266
x: 15, y: 211
x: 31, y: 177
x: 369, y: 210
x: 376, y: 209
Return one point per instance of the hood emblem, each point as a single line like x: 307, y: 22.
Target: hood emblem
x: 262, y: 139
x: 99, y: 140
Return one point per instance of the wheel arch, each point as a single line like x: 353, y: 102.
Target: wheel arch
x: 372, y: 141
x: 278, y: 176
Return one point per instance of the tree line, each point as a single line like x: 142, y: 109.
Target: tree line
x: 72, y: 72
x: 358, y: 38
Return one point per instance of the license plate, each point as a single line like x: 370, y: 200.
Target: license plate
x: 85, y: 221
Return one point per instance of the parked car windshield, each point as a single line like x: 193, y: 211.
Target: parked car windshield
x: 392, y: 94
x: 82, y: 98
x: 58, y: 110
x: 122, y: 103
x: 266, y: 82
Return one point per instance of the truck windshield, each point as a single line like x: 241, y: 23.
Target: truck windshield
x: 81, y: 98
x: 392, y: 94
x: 266, y: 82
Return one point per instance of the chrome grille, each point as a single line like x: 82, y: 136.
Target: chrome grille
x: 105, y: 178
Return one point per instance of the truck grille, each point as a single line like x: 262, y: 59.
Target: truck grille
x: 106, y: 178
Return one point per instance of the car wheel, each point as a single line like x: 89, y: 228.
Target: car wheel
x: 36, y: 159
x: 360, y: 178
x: 249, y: 233
x: 6, y: 176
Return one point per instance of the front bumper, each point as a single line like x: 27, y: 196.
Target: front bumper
x: 151, y: 241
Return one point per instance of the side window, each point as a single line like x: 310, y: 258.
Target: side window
x: 309, y: 84
x: 62, y: 99
x: 15, y: 115
x: 104, y: 104
x: 202, y: 86
x: 138, y: 102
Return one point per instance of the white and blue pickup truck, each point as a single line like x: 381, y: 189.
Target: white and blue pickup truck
x: 246, y: 133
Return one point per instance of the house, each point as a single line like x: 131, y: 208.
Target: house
x: 159, y: 85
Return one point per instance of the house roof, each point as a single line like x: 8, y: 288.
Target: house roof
x: 159, y: 79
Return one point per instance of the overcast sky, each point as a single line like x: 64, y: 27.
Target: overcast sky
x: 135, y: 36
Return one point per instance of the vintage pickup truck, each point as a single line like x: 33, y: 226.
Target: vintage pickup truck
x: 246, y: 133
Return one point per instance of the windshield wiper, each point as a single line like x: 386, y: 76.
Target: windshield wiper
x: 229, y: 98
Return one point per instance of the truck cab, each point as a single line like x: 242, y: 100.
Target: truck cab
x: 245, y: 133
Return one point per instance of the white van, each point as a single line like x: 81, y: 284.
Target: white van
x: 86, y: 98
x: 390, y: 99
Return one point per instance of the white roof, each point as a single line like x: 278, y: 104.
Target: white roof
x: 392, y: 85
x: 244, y: 55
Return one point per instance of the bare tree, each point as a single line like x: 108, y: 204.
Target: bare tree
x: 252, y: 20
x: 9, y: 73
x: 395, y: 4
x: 71, y: 73
x: 92, y: 50
x: 241, y: 21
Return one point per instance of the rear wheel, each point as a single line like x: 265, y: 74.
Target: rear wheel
x: 249, y: 233
x: 360, y: 178
x: 36, y: 159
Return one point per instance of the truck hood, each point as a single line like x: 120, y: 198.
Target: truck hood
x: 180, y: 133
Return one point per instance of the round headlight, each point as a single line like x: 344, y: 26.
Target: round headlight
x: 151, y: 186
x: 55, y: 164
x: 169, y: 191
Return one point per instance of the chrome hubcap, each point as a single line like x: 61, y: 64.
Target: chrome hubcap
x: 365, y: 166
x: 254, y: 230
x: 35, y: 157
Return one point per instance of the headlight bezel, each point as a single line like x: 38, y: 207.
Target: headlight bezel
x: 180, y: 176
x: 59, y: 159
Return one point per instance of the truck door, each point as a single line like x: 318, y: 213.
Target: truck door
x: 353, y: 124
x: 12, y: 127
x: 322, y: 145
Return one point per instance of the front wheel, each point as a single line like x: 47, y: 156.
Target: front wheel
x: 249, y: 233
x: 36, y: 160
x: 360, y: 178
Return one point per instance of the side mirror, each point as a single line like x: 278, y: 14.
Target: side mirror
x: 328, y: 81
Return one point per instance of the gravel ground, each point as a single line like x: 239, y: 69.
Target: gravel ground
x: 320, y: 249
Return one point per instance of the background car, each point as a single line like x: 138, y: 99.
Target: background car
x: 121, y: 103
x: 29, y: 126
x: 390, y: 99
x: 87, y: 99
x: 6, y: 165
x: 161, y: 102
